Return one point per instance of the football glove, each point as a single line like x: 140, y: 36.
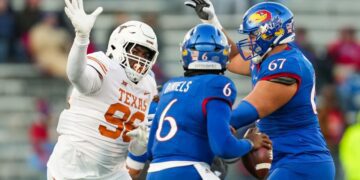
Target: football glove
x: 139, y: 138
x: 205, y: 10
x: 82, y: 22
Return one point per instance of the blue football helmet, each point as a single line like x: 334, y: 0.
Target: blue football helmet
x: 268, y: 24
x: 205, y: 48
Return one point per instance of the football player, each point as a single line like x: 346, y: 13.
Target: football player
x: 191, y: 124
x: 111, y: 97
x: 283, y: 95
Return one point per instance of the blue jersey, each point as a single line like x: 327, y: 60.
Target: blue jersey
x: 180, y: 120
x: 293, y: 128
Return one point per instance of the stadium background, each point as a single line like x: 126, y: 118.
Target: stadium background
x: 33, y: 86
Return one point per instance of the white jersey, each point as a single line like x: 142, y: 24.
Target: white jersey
x: 96, y: 124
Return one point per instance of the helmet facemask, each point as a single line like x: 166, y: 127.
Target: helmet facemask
x: 268, y: 25
x: 138, y: 60
x: 133, y: 45
x: 260, y: 41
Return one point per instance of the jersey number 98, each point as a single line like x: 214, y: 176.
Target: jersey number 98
x: 120, y: 116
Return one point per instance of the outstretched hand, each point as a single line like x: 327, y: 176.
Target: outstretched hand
x: 82, y: 22
x: 205, y: 10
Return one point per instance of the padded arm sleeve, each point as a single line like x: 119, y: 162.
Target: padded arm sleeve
x: 222, y: 142
x: 84, y: 77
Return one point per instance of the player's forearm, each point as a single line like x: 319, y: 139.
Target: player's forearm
x: 234, y: 51
x: 85, y: 79
x: 222, y: 142
x: 77, y: 59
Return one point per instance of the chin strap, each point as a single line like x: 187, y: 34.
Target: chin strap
x: 258, y: 59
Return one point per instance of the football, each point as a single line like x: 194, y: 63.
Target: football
x: 258, y: 162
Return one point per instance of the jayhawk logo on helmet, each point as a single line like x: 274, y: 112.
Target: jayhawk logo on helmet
x: 259, y: 17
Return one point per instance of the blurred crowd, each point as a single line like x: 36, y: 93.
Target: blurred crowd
x: 43, y: 39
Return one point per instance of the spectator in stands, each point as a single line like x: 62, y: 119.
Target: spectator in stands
x: 349, y: 93
x: 331, y: 117
x: 7, y: 26
x: 323, y: 70
x: 345, y: 53
x: 350, y: 151
x: 25, y: 20
x: 39, y: 137
x: 332, y: 122
x: 49, y: 45
x: 301, y: 40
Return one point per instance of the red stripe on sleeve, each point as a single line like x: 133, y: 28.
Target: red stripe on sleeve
x: 211, y: 98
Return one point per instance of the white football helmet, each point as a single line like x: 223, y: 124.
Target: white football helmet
x: 124, y: 39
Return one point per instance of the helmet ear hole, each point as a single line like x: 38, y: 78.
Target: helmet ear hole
x: 113, y: 47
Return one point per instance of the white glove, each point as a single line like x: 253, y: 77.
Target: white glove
x: 205, y: 10
x: 82, y: 22
x: 139, y: 138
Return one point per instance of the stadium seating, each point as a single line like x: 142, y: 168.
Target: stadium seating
x: 21, y: 86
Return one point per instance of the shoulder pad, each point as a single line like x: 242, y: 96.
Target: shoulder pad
x: 100, y: 62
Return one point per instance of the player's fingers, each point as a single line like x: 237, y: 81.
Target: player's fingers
x: 197, y: 1
x: 203, y: 2
x: 68, y: 13
x: 75, y: 4
x: 265, y: 136
x: 190, y: 4
x: 97, y: 12
x: 81, y: 4
x: 268, y: 141
x: 69, y: 6
x: 206, y: 1
x: 266, y: 145
x: 133, y: 133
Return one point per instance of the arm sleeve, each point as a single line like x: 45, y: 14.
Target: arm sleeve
x: 222, y: 142
x: 136, y: 162
x: 243, y: 115
x: 85, y: 78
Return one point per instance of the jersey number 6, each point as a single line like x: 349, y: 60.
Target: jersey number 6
x: 120, y: 115
x: 172, y: 122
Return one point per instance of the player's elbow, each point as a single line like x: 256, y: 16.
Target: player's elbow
x: 73, y: 76
x: 220, y: 152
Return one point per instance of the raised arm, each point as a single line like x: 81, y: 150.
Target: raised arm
x: 206, y: 12
x: 85, y: 78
